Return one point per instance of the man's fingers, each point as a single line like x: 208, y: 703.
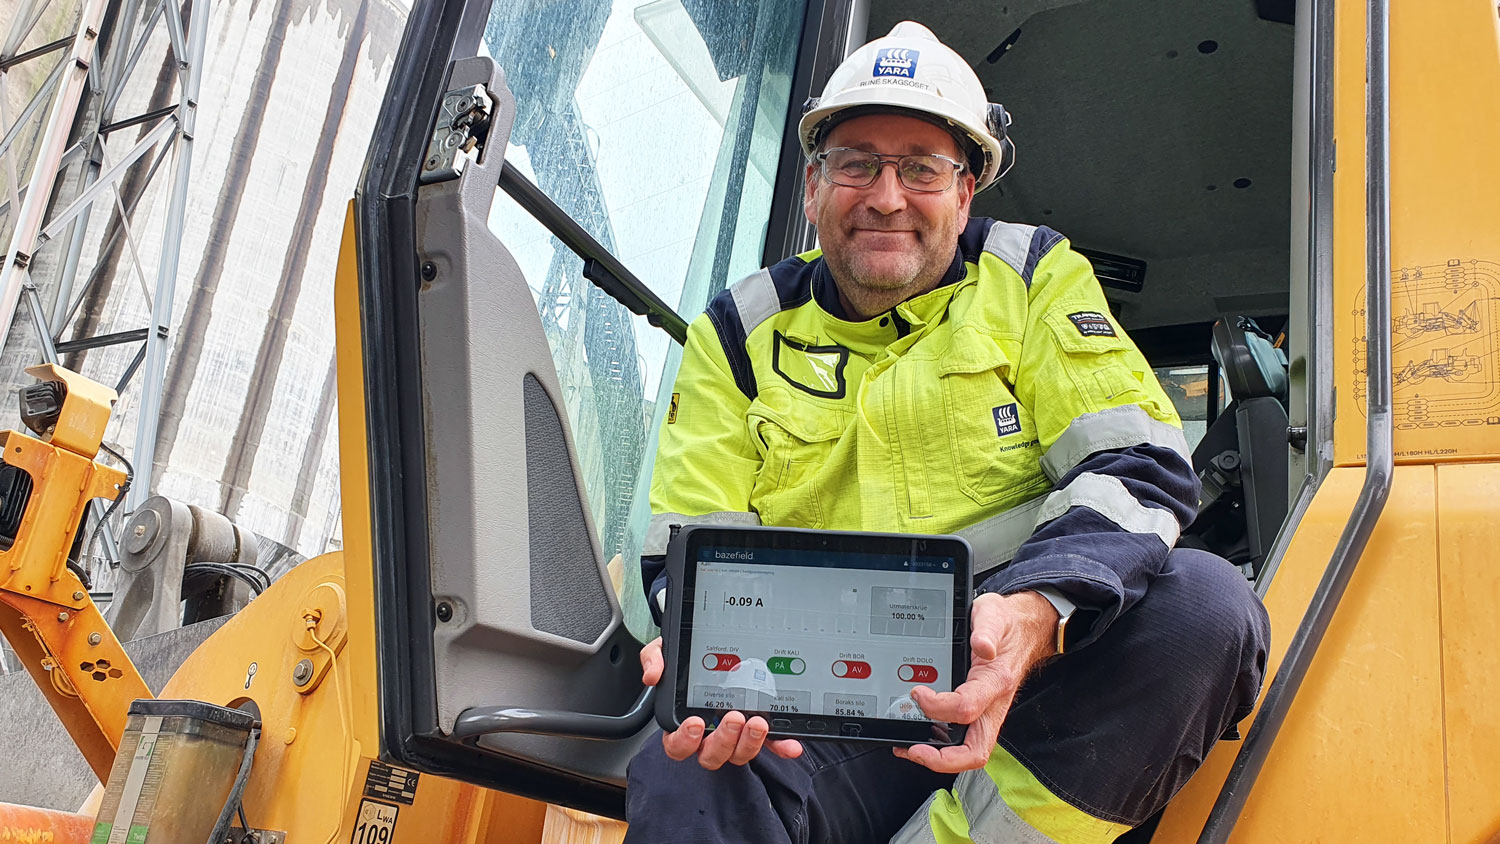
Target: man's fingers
x: 988, y: 619
x: 786, y: 748
x: 720, y: 744
x: 652, y: 662
x: 947, y: 760
x: 752, y: 737
x: 982, y: 645
x: 961, y: 706
x: 964, y: 705
x: 683, y: 742
x: 973, y: 753
x: 735, y: 741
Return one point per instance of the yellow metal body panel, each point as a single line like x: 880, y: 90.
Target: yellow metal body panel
x: 1361, y: 755
x: 354, y: 482
x: 306, y: 757
x: 310, y: 769
x: 1445, y: 230
x: 1469, y: 588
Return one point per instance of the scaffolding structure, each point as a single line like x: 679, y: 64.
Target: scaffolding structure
x: 73, y: 176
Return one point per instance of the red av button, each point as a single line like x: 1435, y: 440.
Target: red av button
x: 910, y: 673
x: 851, y: 670
x: 720, y: 662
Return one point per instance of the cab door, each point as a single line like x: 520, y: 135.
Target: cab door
x: 551, y: 190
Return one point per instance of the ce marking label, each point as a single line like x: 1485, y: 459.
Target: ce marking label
x: 376, y: 823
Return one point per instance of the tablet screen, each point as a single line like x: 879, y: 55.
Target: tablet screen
x: 839, y: 632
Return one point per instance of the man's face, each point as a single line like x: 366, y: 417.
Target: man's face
x: 883, y: 239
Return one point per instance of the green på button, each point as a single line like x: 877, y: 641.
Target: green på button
x: 786, y: 665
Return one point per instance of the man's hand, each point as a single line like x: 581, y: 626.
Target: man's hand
x: 1012, y: 633
x: 736, y: 740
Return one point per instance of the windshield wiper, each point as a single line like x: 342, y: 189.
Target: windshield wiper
x: 599, y: 266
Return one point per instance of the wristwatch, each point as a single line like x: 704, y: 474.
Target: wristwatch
x: 1065, y: 610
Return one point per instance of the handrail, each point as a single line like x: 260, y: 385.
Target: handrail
x: 1379, y: 462
x: 599, y: 266
x: 484, y: 720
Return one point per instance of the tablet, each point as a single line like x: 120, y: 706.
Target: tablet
x: 822, y: 633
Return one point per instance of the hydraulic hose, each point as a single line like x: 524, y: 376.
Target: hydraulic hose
x: 237, y: 792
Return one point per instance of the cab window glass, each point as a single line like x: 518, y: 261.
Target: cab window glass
x: 1188, y: 387
x: 658, y: 127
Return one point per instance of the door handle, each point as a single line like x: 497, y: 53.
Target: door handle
x: 484, y: 720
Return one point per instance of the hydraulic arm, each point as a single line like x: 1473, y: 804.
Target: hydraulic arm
x: 46, y: 484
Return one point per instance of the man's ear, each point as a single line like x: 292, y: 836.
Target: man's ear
x: 965, y: 193
x: 810, y: 193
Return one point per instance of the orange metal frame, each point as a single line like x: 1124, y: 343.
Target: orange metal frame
x: 45, y: 612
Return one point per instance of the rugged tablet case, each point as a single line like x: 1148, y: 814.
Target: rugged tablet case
x: 666, y: 687
x: 676, y: 560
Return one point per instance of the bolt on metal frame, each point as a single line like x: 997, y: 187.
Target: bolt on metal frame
x: 93, y: 67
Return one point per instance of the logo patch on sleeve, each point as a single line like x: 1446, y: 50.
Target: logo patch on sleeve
x: 1007, y: 421
x: 896, y: 61
x: 672, y: 410
x: 1092, y: 324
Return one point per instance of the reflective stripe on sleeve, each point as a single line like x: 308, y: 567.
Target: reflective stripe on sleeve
x: 1003, y: 801
x: 1010, y: 242
x: 1117, y: 427
x: 997, y: 539
x: 659, y: 532
x: 755, y: 298
x: 1107, y: 496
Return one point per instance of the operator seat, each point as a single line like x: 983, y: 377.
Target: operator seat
x: 1242, y: 459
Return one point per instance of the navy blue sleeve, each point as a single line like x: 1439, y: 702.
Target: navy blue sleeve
x: 654, y: 579
x: 1089, y: 557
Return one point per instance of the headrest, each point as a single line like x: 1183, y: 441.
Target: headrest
x: 1251, y: 364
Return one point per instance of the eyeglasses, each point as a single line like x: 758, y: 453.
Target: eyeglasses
x: 855, y: 168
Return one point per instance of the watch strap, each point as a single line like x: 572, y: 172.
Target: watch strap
x: 1065, y: 609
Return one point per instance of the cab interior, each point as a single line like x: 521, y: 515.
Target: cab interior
x: 1157, y: 135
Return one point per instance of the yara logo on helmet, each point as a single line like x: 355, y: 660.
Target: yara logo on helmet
x: 897, y: 61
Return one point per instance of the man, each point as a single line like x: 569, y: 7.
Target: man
x: 930, y: 373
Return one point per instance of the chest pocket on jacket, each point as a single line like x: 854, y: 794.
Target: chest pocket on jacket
x: 992, y: 440
x: 796, y: 438
x: 1105, y: 371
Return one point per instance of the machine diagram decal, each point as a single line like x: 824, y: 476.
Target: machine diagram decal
x: 1445, y: 336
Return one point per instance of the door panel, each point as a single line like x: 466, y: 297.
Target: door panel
x: 515, y: 567
x: 511, y: 404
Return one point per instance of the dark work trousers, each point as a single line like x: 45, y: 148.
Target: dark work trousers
x: 1115, y: 729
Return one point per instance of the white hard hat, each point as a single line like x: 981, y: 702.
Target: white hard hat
x: 910, y: 70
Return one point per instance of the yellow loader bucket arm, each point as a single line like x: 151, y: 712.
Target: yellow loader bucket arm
x: 45, y: 612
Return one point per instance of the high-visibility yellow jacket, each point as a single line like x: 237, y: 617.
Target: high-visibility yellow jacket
x: 1005, y: 405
